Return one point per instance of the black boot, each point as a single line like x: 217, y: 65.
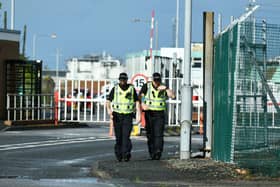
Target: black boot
x: 127, y: 157
x: 119, y: 157
x: 156, y: 155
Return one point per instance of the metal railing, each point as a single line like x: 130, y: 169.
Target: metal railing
x: 85, y: 101
x: 30, y: 107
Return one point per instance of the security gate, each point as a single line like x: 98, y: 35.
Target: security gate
x: 85, y: 100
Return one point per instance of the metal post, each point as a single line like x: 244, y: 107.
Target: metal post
x: 208, y: 38
x: 12, y: 14
x: 66, y: 110
x: 231, y: 19
x: 186, y: 109
x: 57, y: 66
x: 5, y: 20
x: 38, y: 106
x: 177, y: 24
x: 8, y: 106
x: 21, y: 107
x: 58, y: 101
x: 219, y: 23
x: 15, y: 106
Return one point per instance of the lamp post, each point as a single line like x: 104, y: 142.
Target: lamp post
x: 57, y: 56
x: 150, y: 65
x: 186, y: 89
x: 35, y: 36
x: 138, y: 20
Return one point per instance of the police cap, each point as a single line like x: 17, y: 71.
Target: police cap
x: 123, y: 76
x: 156, y: 77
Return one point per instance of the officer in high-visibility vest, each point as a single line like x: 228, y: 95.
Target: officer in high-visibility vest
x: 122, y: 103
x: 154, y: 105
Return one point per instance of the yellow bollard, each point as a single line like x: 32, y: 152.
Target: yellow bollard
x: 135, y: 129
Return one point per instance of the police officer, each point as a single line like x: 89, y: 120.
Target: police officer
x: 153, y: 96
x: 122, y: 103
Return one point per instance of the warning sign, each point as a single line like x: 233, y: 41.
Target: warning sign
x: 138, y: 80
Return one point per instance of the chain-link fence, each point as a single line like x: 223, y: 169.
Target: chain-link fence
x: 247, y: 96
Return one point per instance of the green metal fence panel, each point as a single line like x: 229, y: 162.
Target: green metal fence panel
x: 246, y: 89
x: 224, y: 69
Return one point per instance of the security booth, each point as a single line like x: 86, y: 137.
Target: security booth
x: 23, y: 77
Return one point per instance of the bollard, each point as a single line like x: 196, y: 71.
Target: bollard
x: 185, y: 146
x: 56, y: 107
x: 201, y: 124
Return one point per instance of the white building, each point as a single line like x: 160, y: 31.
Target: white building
x: 168, y: 60
x: 196, y: 60
x: 95, y: 67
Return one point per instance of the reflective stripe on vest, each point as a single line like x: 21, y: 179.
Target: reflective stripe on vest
x: 123, y: 101
x: 155, y: 99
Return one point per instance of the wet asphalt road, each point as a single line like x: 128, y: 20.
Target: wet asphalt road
x: 62, y: 157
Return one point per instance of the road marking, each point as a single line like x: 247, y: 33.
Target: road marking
x: 50, y: 143
x: 13, y: 132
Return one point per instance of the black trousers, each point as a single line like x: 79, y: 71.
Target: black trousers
x: 122, y: 127
x: 154, y: 130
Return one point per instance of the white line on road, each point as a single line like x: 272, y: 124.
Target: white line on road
x: 50, y: 143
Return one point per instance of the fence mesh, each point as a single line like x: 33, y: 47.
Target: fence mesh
x: 246, y: 96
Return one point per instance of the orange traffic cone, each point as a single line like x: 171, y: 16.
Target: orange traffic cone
x: 201, y: 123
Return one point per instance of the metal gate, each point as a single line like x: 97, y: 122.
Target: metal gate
x: 30, y: 107
x: 84, y: 101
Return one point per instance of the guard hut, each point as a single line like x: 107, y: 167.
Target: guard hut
x: 9, y: 49
x: 23, y: 88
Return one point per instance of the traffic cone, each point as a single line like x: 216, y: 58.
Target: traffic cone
x: 201, y: 123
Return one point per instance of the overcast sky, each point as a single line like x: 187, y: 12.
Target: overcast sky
x: 93, y: 26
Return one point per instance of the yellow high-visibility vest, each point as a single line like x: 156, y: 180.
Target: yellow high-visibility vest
x: 155, y: 99
x: 123, y: 101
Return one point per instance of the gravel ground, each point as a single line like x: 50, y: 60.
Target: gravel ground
x: 201, y: 169
x: 175, y: 172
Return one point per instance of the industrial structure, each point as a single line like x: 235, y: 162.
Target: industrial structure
x: 90, y: 67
